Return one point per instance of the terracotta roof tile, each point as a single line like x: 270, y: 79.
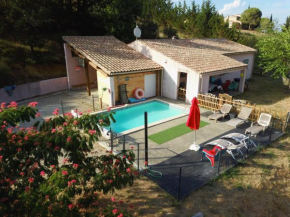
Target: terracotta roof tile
x: 200, y: 55
x: 110, y: 54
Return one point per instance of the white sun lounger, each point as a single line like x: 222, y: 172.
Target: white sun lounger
x: 262, y: 124
x: 242, y: 117
x: 225, y: 110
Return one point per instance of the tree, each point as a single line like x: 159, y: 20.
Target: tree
x: 274, y: 55
x: 251, y: 17
x: 271, y: 18
x: 36, y: 182
x: 287, y: 23
x: 266, y: 25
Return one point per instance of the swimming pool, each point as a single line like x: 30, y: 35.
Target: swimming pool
x: 131, y: 118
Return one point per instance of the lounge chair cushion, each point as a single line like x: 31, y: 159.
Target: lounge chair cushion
x: 215, y: 116
x: 235, y: 122
x: 254, y: 130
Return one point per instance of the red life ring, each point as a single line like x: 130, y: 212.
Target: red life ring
x: 139, y: 93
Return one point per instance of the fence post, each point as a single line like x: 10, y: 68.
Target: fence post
x: 62, y: 108
x: 124, y: 143
x: 271, y: 130
x: 286, y: 121
x: 179, y: 184
x: 220, y: 153
x: 93, y: 99
x: 138, y: 155
x: 111, y: 138
x: 146, y: 137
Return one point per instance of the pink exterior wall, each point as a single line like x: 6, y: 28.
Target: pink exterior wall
x: 29, y: 90
x: 77, y: 77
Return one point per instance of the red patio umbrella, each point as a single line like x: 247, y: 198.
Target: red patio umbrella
x: 193, y: 121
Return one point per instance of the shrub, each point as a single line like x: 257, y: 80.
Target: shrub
x: 36, y: 182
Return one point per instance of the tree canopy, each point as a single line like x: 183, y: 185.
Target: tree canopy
x: 274, y: 55
x: 251, y: 17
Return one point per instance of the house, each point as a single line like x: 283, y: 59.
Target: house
x: 233, y: 19
x: 105, y: 62
x: 161, y: 67
x: 190, y: 63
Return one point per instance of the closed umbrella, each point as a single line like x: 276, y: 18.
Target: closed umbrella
x: 193, y: 121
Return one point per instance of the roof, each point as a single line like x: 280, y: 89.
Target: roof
x: 200, y: 55
x: 110, y: 54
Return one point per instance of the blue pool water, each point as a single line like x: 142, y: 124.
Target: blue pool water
x: 133, y: 116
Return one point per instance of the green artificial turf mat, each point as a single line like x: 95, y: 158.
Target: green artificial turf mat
x: 172, y: 133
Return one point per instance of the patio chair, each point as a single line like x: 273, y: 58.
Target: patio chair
x: 107, y: 134
x: 262, y: 124
x: 212, y: 154
x: 225, y: 85
x: 224, y: 112
x: 233, y: 86
x: 242, y: 117
x: 231, y: 146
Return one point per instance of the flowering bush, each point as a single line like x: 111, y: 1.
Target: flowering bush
x: 46, y: 169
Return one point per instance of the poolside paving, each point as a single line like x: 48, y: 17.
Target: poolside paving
x: 169, y: 157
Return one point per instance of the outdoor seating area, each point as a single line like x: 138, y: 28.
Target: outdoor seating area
x: 218, y: 86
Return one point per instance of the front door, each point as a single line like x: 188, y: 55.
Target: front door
x: 150, y: 85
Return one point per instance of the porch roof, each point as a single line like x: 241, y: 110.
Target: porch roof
x: 201, y: 55
x: 110, y: 54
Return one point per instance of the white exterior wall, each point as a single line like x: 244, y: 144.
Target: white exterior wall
x: 241, y: 57
x: 171, y: 73
x: 204, y: 84
x: 77, y: 77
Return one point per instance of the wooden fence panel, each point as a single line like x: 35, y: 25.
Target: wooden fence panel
x: 211, y: 102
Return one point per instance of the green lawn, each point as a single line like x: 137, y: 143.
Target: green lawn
x: 172, y: 133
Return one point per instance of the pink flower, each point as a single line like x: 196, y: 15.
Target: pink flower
x: 129, y: 158
x: 31, y: 180
x: 19, y: 150
x: 22, y: 173
x: 55, y: 112
x: 101, y: 121
x: 56, y: 148
x: 121, y: 215
x: 92, y: 132
x: 42, y: 173
x: 47, y: 197
x: 128, y: 170
x: 80, y: 113
x: 65, y: 160
x: 52, y: 166
x: 124, y: 156
x: 47, y: 120
x: 65, y: 173
x: 113, y: 199
x: 121, y: 201
x: 59, y: 128
x: 27, y: 188
x: 132, y: 147
x: 32, y: 104
x: 10, y: 130
x: 65, y: 123
x: 53, y: 131
x: 1, y: 157
x: 26, y: 138
x: 69, y: 183
x: 13, y: 104
x: 71, y: 206
x: 115, y: 211
x: 36, y: 143
x: 146, y: 163
x: 68, y: 114
x: 75, y: 122
x: 68, y: 139
x: 1, y: 110
x: 75, y: 166
x: 3, y: 105
x: 108, y: 109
